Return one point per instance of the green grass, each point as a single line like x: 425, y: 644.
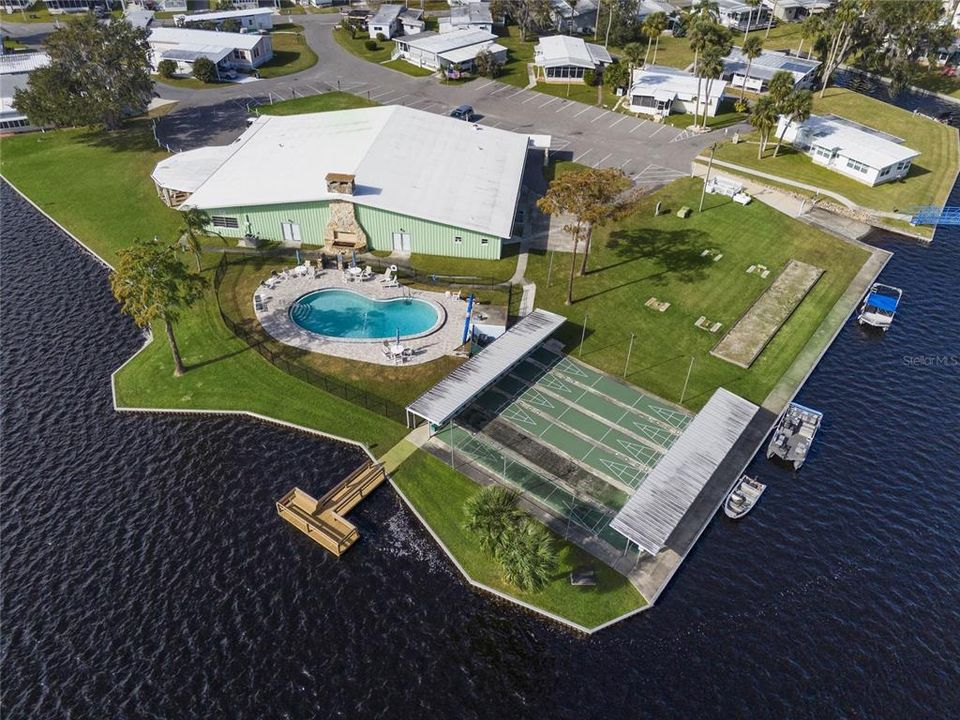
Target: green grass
x: 519, y: 54
x: 187, y: 82
x: 407, y: 69
x: 499, y: 270
x: 109, y: 201
x: 439, y: 492
x: 930, y: 178
x: 579, y: 92
x: 933, y: 80
x: 560, y: 167
x: 643, y: 257
x: 291, y: 54
x: 317, y: 103
x: 725, y: 118
x: 673, y: 52
x: 357, y: 46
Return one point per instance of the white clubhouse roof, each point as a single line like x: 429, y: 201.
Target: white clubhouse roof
x: 441, y: 43
x: 653, y: 512
x: 406, y: 161
x: 222, y: 15
x: 203, y: 38
x: 768, y: 64
x: 856, y: 141
x: 189, y: 170
x: 666, y: 83
x: 449, y: 396
x: 560, y: 50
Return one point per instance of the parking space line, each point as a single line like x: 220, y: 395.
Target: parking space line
x: 603, y: 159
x: 564, y: 106
x: 518, y: 92
x: 602, y: 113
x: 617, y: 122
x: 486, y: 84
x: 582, y: 155
x: 624, y: 164
x: 582, y: 111
x: 551, y: 100
x: 640, y: 125
x: 533, y: 96
x: 501, y: 89
x: 662, y: 127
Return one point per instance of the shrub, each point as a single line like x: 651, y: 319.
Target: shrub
x: 486, y: 64
x: 166, y: 68
x: 741, y: 106
x: 381, y: 37
x: 371, y: 45
x: 589, y: 77
x: 491, y: 514
x: 204, y: 70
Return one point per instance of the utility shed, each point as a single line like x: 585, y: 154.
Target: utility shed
x: 660, y: 503
x: 449, y: 396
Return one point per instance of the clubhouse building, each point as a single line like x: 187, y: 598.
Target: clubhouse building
x: 385, y: 178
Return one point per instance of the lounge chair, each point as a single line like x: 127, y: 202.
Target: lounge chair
x: 392, y: 283
x: 367, y: 273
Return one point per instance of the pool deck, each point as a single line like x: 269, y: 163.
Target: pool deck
x: 275, y: 319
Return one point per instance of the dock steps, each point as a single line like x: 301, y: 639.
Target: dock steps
x: 322, y: 519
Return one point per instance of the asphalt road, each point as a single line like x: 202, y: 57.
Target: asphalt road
x: 649, y: 152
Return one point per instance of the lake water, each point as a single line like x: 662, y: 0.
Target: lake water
x: 146, y: 575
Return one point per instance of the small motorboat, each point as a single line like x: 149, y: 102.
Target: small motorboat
x: 743, y: 497
x: 794, y: 434
x: 880, y: 306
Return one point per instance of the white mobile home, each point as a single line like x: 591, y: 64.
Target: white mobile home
x: 411, y: 21
x: 475, y: 16
x: 574, y: 16
x: 763, y: 68
x: 739, y: 15
x: 857, y: 151
x: 454, y: 49
x: 12, y: 6
x: 560, y: 58
x: 254, y: 19
x: 386, y: 22
x: 796, y: 10
x: 172, y: 5
x: 229, y: 51
x: 15, y: 69
x: 661, y: 91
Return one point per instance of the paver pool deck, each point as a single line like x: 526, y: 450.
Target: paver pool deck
x: 275, y: 319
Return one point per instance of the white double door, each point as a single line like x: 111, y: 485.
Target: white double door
x: 291, y: 232
x: 401, y: 242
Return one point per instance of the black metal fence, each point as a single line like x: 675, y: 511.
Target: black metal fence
x: 263, y: 344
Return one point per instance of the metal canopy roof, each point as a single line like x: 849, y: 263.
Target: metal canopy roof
x: 445, y: 399
x: 659, y: 504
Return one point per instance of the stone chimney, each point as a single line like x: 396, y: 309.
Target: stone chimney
x: 341, y: 183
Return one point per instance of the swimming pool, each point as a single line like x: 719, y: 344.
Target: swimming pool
x: 349, y: 315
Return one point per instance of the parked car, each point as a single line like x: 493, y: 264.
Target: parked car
x: 464, y: 112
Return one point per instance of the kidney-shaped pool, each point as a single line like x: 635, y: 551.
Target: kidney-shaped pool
x: 349, y: 315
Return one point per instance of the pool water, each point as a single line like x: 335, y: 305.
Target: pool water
x: 347, y: 314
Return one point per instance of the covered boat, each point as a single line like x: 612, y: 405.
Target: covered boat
x: 880, y: 306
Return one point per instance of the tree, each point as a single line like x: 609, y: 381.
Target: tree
x: 591, y: 197
x: 204, y: 70
x: 797, y: 106
x: 701, y: 24
x: 529, y: 15
x: 713, y: 43
x: 751, y: 50
x: 492, y: 514
x: 780, y: 86
x: 529, y: 559
x: 658, y: 26
x: 632, y: 53
x: 166, y: 68
x: 764, y: 118
x: 98, y: 74
x: 195, y: 222
x: 711, y: 66
x: 486, y: 64
x: 752, y: 4
x: 616, y: 76
x: 152, y: 285
x: 838, y: 33
x: 653, y: 27
x: 773, y: 11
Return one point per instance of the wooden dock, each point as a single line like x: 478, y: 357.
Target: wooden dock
x: 322, y: 519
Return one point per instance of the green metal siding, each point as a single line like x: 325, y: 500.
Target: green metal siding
x: 426, y: 237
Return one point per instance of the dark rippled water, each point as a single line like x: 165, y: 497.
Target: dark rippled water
x: 146, y: 575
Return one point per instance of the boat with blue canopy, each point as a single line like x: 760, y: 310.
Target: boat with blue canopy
x: 880, y: 306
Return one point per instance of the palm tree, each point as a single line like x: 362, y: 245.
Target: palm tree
x: 632, y: 53
x: 152, y: 285
x: 780, y: 86
x: 764, y: 118
x: 195, y: 221
x: 701, y: 25
x: 529, y: 560
x: 711, y: 64
x: 492, y: 514
x: 752, y: 4
x: 660, y: 25
x: 796, y: 107
x: 751, y: 50
x: 773, y: 11
x: 652, y: 27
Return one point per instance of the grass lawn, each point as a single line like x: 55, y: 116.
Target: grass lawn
x: 727, y: 117
x: 498, y: 270
x: 291, y: 54
x: 932, y: 79
x: 317, y: 103
x: 519, y: 53
x: 109, y: 202
x: 357, y: 46
x: 401, y: 385
x: 929, y: 181
x: 673, y: 52
x: 438, y: 493
x: 408, y: 69
x: 187, y: 82
x: 643, y: 257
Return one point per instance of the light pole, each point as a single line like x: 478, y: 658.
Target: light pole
x: 703, y: 192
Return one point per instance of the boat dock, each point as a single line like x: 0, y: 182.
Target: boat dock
x: 322, y: 519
